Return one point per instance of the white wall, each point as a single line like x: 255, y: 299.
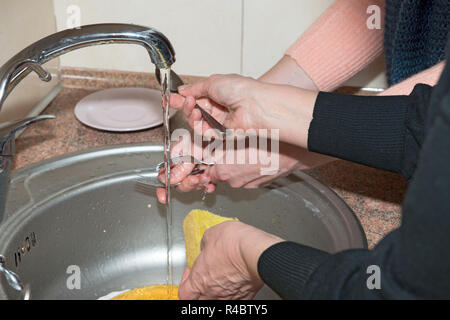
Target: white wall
x: 209, y: 36
x: 271, y: 26
x: 206, y: 34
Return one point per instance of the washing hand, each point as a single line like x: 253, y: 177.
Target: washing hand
x: 290, y: 158
x: 227, y: 265
x: 245, y: 103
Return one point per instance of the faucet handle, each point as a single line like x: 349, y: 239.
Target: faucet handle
x: 8, y: 130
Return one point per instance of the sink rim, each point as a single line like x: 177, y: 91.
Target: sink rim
x: 8, y: 225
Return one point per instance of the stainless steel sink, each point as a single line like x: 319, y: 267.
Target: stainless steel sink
x: 83, y: 210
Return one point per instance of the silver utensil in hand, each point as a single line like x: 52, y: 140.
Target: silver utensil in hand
x: 146, y: 185
x: 175, y: 82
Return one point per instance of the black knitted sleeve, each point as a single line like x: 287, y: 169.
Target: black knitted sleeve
x: 384, y: 132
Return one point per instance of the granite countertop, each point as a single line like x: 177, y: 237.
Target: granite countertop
x: 374, y: 195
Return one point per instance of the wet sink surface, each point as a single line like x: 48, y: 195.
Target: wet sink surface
x: 83, y: 210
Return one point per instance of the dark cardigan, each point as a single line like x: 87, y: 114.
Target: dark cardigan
x: 405, y: 134
x: 415, y: 36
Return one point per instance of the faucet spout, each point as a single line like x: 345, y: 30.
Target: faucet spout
x: 32, y: 57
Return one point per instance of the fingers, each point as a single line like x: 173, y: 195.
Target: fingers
x: 178, y: 173
x: 186, y: 104
x: 197, y: 90
x: 210, y: 188
x: 176, y: 101
x: 211, y: 87
x: 161, y: 195
x: 194, y: 119
x: 189, y: 184
x: 197, y: 182
x: 187, y: 290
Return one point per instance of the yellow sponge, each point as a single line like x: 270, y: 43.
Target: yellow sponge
x: 156, y: 292
x: 194, y: 225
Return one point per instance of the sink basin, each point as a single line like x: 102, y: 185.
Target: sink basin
x: 82, y: 211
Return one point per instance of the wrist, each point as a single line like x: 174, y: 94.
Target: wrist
x: 252, y: 246
x: 288, y: 109
x: 288, y: 72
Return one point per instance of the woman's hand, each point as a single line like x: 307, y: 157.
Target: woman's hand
x: 181, y: 172
x: 290, y: 158
x: 244, y: 103
x: 227, y: 265
x: 230, y: 99
x: 236, y: 175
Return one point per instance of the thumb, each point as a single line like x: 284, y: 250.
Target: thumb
x: 185, y: 275
x: 197, y: 90
x: 187, y: 290
x: 204, y: 88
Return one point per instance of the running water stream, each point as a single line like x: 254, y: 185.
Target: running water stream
x: 165, y: 81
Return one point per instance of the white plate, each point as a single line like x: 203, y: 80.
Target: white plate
x: 121, y: 109
x: 111, y: 295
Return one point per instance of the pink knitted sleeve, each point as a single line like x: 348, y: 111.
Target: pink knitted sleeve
x: 339, y: 44
x: 429, y: 76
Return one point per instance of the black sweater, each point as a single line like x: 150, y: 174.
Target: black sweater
x: 405, y: 134
x: 415, y: 34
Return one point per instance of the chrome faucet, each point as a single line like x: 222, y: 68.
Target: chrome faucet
x: 32, y: 57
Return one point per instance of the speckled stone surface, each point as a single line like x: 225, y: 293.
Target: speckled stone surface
x: 374, y: 195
